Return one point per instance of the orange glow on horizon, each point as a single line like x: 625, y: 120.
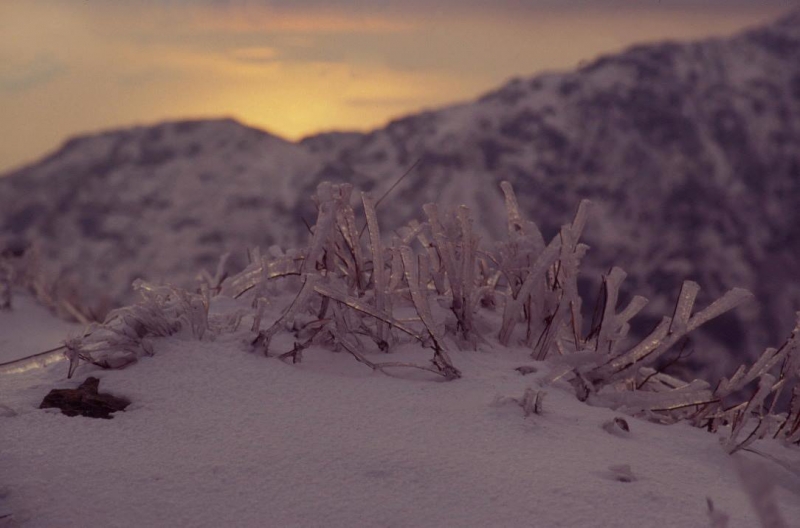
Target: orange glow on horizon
x: 68, y: 68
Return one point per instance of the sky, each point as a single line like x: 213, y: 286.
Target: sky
x: 298, y: 67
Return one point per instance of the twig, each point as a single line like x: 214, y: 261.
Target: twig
x: 390, y: 189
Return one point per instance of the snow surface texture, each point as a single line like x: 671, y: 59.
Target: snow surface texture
x: 219, y: 437
x: 689, y: 150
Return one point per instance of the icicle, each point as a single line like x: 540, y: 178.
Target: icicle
x: 346, y: 221
x: 729, y: 301
x: 535, y: 276
x: 261, y: 305
x: 326, y: 217
x: 518, y: 228
x: 435, y: 260
x: 396, y: 275
x: 579, y: 222
x: 646, y: 347
x: 361, y: 306
x: 259, y: 273
x: 683, y: 309
x: 463, y: 308
x: 414, y: 230
x: 515, y: 223
x: 634, y: 307
x: 378, y: 269
x: 755, y: 403
x: 445, y: 248
x: 265, y: 336
x: 635, y: 401
x: 441, y: 357
x: 608, y: 327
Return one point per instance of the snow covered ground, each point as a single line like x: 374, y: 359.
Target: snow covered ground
x: 217, y: 436
x: 29, y: 328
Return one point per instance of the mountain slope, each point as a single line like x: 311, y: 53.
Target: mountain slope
x: 162, y: 201
x: 689, y: 151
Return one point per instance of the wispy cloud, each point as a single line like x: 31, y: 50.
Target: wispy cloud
x: 249, y: 18
x: 385, y: 102
x: 20, y: 75
x: 300, y: 66
x: 254, y: 55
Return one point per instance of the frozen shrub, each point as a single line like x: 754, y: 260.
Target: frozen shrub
x: 127, y: 332
x: 777, y: 373
x: 429, y: 284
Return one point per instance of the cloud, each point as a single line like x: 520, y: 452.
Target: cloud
x: 385, y: 102
x: 256, y: 18
x: 20, y: 75
x: 426, y: 6
x: 499, y: 4
x: 254, y: 54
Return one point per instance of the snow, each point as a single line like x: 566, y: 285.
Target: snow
x: 217, y: 436
x: 22, y: 332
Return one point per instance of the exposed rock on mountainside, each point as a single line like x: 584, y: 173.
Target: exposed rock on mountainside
x: 691, y: 153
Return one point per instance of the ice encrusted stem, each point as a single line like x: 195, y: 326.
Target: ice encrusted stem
x: 441, y: 357
x: 378, y: 265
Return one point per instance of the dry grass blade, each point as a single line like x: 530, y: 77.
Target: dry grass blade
x: 259, y: 272
x: 536, y: 275
x: 265, y: 336
x: 378, y: 265
x: 684, y: 307
x: 381, y: 366
x: 362, y: 307
x: 326, y: 218
x: 399, y: 180
x: 441, y: 357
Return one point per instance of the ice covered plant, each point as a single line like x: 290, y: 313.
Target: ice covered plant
x: 349, y: 290
x: 357, y: 290
x: 21, y: 268
x: 605, y: 366
x: 622, y: 375
x: 541, y: 281
x: 127, y: 332
x: 541, y: 297
x: 773, y: 377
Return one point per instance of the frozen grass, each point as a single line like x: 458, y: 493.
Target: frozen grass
x: 21, y: 268
x: 432, y: 287
x: 218, y: 437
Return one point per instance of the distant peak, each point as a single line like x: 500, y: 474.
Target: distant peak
x: 179, y: 126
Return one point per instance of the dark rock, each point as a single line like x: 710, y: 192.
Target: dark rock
x: 85, y: 401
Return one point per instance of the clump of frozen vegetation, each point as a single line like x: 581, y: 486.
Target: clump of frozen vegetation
x: 432, y: 285
x: 21, y: 267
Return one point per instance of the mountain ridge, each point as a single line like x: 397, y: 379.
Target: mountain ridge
x: 689, y: 151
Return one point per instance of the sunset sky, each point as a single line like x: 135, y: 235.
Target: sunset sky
x: 299, y: 67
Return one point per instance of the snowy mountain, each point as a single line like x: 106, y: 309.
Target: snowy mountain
x: 689, y: 151
x: 162, y: 201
